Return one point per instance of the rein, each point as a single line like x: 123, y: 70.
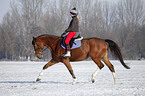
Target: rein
x: 52, y: 44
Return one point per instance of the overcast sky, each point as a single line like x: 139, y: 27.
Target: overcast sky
x: 4, y: 7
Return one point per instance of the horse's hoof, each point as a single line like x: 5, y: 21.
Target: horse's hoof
x: 74, y: 81
x: 38, y: 79
x: 93, y: 80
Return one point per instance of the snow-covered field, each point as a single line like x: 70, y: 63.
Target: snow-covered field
x: 18, y: 79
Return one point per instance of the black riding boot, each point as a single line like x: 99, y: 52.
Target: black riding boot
x: 67, y: 51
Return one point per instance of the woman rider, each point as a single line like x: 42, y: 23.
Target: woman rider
x: 71, y: 31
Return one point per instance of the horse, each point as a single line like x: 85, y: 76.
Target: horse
x: 95, y: 48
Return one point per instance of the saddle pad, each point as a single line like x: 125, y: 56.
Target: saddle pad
x: 76, y: 44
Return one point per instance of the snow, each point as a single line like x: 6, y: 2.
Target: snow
x: 18, y: 79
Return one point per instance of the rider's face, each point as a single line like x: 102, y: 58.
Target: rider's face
x: 72, y: 15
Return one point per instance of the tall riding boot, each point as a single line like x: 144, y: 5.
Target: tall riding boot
x: 67, y: 51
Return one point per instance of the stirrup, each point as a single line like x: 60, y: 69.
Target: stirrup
x: 67, y: 54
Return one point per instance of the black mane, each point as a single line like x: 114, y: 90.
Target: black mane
x: 47, y: 35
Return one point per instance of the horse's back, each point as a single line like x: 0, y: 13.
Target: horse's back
x: 95, y: 41
x: 96, y: 46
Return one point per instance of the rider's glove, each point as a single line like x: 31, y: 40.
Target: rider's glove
x: 63, y: 34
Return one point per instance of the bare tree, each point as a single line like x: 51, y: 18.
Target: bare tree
x: 28, y: 15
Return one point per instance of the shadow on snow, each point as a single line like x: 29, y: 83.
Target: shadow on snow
x: 53, y: 82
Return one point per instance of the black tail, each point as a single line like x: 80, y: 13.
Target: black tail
x: 115, y: 50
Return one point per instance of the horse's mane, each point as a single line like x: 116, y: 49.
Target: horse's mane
x: 47, y: 35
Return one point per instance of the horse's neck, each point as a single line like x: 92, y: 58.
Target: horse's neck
x: 50, y: 41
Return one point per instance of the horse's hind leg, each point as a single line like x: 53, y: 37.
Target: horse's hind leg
x: 100, y: 66
x: 94, y: 74
x: 50, y: 63
x: 110, y: 66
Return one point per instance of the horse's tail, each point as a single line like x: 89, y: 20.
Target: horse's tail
x: 115, y: 50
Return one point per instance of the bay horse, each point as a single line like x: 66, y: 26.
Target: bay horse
x: 95, y: 48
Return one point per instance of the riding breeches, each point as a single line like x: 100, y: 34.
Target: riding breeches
x: 69, y: 37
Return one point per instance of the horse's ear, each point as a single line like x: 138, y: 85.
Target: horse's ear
x: 34, y: 38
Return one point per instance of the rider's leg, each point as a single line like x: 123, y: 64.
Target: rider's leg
x: 67, y: 40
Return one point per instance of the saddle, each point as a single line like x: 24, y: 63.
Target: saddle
x: 74, y: 43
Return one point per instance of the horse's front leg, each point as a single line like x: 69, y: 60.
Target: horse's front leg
x: 50, y: 63
x: 67, y: 64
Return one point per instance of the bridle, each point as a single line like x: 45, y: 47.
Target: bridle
x: 38, y: 48
x: 41, y: 49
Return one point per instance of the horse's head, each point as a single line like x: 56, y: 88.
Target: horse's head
x: 38, y: 47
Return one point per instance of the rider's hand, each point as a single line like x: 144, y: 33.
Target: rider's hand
x: 63, y: 34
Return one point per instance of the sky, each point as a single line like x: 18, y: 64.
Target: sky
x: 4, y: 8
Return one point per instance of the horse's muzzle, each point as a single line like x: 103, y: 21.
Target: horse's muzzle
x: 39, y: 55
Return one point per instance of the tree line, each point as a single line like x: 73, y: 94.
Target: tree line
x: 123, y: 22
